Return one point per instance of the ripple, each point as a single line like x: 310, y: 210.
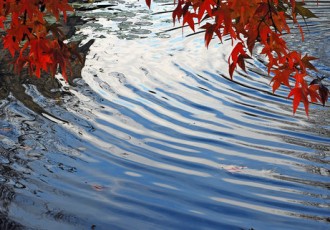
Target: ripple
x: 157, y: 136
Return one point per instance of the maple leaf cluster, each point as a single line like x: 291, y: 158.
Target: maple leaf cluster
x: 31, y: 33
x: 35, y: 41
x: 264, y: 22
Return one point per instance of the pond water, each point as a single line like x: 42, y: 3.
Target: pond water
x: 158, y: 137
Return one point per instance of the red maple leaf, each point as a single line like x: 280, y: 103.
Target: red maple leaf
x: 299, y: 94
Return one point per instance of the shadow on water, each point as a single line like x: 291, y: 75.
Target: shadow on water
x: 16, y: 90
x: 153, y: 140
x: 50, y: 87
x: 7, y: 192
x: 30, y: 158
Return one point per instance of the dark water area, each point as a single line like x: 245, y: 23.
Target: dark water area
x: 155, y: 136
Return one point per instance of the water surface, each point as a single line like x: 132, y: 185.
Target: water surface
x: 158, y: 137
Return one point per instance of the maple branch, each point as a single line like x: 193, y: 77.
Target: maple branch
x: 271, y: 16
x: 260, y: 22
x: 25, y: 17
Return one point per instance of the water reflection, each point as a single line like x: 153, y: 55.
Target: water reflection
x: 10, y: 178
x: 154, y: 139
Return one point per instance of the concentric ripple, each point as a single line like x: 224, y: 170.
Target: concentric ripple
x: 158, y: 137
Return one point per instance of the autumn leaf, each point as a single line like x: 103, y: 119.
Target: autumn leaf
x: 55, y: 29
x: 324, y: 93
x: 281, y: 77
x: 10, y: 43
x: 300, y: 79
x: 303, y: 11
x: 189, y: 19
x: 97, y: 187
x: 298, y: 96
x: 313, y: 93
x: 307, y: 64
x: 2, y: 19
x: 252, y: 35
x: 205, y: 6
x: 28, y: 7
x: 241, y: 61
x: 36, y: 45
x: 209, y: 31
x: 237, y: 56
x: 178, y: 11
x: 148, y: 2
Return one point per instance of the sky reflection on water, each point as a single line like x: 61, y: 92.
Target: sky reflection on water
x: 157, y: 138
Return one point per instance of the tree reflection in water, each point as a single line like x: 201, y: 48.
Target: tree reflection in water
x: 9, y: 178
